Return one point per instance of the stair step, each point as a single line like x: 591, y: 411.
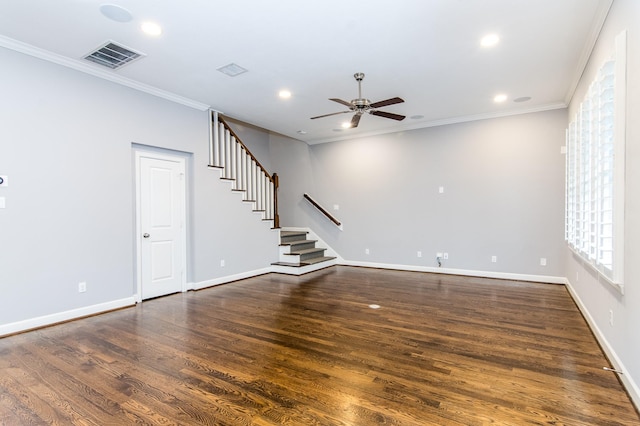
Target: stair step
x: 288, y: 236
x: 317, y: 260
x: 308, y: 262
x: 291, y: 264
x: 304, y: 252
x: 296, y: 242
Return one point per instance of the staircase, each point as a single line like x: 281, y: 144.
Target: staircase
x: 238, y: 165
x: 297, y: 251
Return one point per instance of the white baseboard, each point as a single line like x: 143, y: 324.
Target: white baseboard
x: 43, y: 321
x: 229, y: 278
x: 630, y: 385
x: 466, y: 272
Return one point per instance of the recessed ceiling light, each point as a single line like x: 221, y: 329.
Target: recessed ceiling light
x: 116, y: 13
x: 500, y: 98
x: 284, y: 94
x: 151, y: 28
x: 522, y: 99
x: 489, y: 40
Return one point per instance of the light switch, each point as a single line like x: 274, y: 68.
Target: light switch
x: 441, y: 189
x: 2, y: 203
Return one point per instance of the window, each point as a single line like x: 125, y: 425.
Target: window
x: 594, y: 213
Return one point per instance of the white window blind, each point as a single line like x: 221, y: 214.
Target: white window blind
x: 594, y: 213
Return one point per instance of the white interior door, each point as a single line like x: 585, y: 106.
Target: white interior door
x: 161, y: 217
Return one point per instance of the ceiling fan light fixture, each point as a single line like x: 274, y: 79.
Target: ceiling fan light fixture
x: 284, y: 94
x: 360, y: 106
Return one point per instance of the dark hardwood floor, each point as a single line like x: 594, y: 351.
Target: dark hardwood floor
x: 283, y: 350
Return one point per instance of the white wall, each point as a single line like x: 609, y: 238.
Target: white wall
x: 622, y: 339
x: 66, y: 144
x: 503, y: 194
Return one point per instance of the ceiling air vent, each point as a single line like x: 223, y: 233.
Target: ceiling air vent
x: 112, y: 55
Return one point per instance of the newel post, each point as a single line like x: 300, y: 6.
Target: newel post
x: 276, y: 217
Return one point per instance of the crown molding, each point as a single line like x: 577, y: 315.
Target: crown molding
x: 92, y: 69
x: 442, y: 122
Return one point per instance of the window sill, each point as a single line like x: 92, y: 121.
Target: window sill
x: 601, y: 276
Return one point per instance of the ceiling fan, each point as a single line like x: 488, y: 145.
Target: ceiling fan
x: 361, y: 105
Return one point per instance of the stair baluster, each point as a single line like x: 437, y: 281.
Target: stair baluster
x: 227, y: 152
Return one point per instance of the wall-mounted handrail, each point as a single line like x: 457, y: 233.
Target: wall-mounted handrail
x: 322, y: 210
x: 238, y: 164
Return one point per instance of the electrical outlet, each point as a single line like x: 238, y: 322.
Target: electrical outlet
x: 445, y: 256
x: 611, y: 317
x: 419, y: 254
x: 366, y: 251
x: 494, y: 259
x: 543, y: 261
x: 82, y: 287
x: 441, y: 189
x: 222, y: 263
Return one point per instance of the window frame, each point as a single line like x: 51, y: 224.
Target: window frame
x: 595, y: 171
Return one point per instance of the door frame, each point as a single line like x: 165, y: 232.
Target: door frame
x: 159, y: 154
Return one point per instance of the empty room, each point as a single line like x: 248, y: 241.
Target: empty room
x: 320, y: 213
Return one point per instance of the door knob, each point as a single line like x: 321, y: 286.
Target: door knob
x: 145, y: 235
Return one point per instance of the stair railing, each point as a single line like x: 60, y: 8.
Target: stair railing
x: 238, y: 164
x: 322, y: 210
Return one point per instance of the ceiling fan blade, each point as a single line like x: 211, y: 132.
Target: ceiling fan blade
x: 355, y: 120
x: 340, y: 101
x: 328, y: 115
x: 391, y: 101
x: 388, y: 115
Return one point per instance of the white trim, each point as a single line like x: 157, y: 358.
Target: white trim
x: 229, y: 278
x: 442, y: 122
x: 629, y: 384
x: 549, y: 279
x: 43, y: 321
x: 139, y: 154
x: 619, y: 168
x: 91, y: 69
x: 590, y: 44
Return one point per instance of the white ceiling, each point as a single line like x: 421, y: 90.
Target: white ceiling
x: 424, y: 51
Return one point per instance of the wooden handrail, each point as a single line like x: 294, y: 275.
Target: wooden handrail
x: 322, y: 210
x: 227, y: 127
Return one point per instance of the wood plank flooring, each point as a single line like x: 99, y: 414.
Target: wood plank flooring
x: 284, y: 350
